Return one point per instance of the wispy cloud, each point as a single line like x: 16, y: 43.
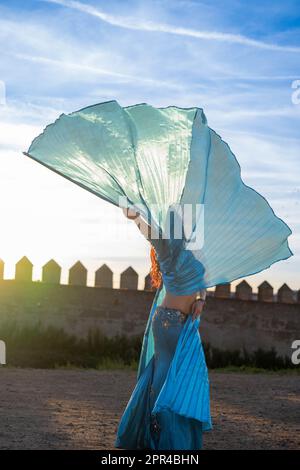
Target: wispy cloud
x: 244, y: 113
x: 72, y: 66
x: 142, y: 25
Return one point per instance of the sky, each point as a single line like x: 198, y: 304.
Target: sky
x: 237, y: 60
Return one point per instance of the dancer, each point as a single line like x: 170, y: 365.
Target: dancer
x: 160, y: 162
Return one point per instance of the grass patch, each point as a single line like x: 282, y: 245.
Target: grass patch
x: 104, y: 364
x: 49, y: 348
x: 239, y: 359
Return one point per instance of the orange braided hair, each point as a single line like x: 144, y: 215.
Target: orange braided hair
x: 155, y: 274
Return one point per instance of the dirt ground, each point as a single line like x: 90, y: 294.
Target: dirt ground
x: 80, y: 409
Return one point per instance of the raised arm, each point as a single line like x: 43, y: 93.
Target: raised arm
x: 151, y: 233
x: 144, y: 228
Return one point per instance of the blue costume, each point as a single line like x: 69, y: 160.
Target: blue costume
x: 162, y: 160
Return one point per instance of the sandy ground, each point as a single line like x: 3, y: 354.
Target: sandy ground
x: 78, y: 409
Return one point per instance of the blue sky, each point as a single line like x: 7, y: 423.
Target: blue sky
x: 235, y: 59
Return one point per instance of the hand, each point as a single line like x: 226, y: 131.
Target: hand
x: 197, y: 308
x: 130, y: 213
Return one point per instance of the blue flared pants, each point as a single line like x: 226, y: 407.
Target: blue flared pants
x: 141, y: 428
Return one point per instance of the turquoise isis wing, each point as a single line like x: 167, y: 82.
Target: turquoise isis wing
x: 242, y: 234
x: 159, y: 157
x: 121, y: 152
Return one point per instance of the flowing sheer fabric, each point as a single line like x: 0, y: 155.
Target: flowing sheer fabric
x: 156, y: 158
x: 159, y: 157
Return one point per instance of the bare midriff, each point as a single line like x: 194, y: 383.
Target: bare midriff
x: 179, y: 302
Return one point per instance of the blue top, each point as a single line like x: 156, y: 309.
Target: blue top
x: 182, y: 272
x: 187, y: 277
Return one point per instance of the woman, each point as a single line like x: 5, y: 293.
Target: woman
x: 165, y: 430
x: 158, y: 158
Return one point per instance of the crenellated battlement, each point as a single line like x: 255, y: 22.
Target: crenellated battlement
x: 129, y: 279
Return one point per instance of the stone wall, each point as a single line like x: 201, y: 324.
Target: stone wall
x: 227, y: 323
x: 230, y: 324
x: 76, y: 309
